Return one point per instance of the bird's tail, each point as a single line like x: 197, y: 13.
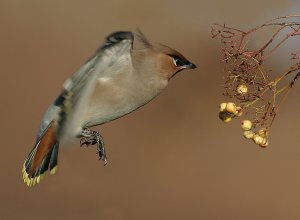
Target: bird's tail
x: 43, y: 157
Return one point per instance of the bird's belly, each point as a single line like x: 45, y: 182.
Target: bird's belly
x: 110, y: 101
x: 102, y: 112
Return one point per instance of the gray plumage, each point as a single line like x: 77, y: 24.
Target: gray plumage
x: 115, y: 81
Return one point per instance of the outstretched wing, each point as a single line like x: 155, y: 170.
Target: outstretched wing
x: 79, y: 88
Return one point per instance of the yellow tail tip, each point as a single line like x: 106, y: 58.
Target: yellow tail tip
x: 53, y: 170
x: 32, y: 181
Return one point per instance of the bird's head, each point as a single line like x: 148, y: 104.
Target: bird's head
x: 171, y: 61
x: 168, y: 61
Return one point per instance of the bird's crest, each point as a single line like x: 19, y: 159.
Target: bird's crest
x: 143, y: 38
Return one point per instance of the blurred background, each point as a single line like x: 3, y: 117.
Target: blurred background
x: 173, y: 158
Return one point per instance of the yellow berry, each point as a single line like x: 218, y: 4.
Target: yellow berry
x: 246, y: 125
x: 258, y: 139
x: 226, y: 120
x: 265, y: 143
x: 225, y: 116
x: 238, y: 111
x: 230, y: 107
x: 263, y: 132
x: 223, y: 107
x: 242, y: 89
x: 248, y: 134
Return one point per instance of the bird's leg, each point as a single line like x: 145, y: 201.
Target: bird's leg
x: 93, y: 137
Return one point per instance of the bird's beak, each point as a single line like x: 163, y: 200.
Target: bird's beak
x: 189, y: 66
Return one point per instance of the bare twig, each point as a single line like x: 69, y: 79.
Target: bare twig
x: 246, y: 66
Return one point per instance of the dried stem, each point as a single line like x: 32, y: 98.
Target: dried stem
x: 246, y: 66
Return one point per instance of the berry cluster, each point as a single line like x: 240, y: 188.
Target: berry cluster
x: 259, y: 137
x: 252, y: 87
x: 229, y: 110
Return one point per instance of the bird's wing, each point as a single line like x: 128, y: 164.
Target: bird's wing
x: 79, y: 88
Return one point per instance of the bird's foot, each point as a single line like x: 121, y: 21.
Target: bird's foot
x: 89, y: 137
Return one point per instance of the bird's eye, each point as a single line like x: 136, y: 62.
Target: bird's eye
x: 178, y: 61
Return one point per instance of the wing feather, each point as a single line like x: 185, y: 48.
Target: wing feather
x: 79, y: 88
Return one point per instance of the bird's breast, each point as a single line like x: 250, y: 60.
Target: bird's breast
x: 115, y: 96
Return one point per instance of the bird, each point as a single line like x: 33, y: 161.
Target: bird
x: 118, y: 79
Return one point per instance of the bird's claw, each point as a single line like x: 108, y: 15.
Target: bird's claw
x: 89, y: 137
x: 83, y: 142
x: 87, y: 141
x: 101, y: 149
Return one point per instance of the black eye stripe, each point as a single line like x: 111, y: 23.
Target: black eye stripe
x: 178, y: 61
